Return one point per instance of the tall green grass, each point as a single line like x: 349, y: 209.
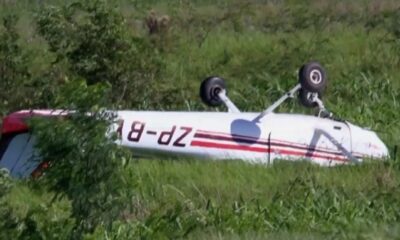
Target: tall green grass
x: 257, y: 46
x: 194, y: 199
x: 233, y: 199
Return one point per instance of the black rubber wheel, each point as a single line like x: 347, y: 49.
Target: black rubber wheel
x: 305, y: 98
x: 312, y: 77
x: 209, y: 89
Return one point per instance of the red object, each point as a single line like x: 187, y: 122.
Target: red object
x: 15, y: 122
x: 38, y: 172
x: 264, y: 150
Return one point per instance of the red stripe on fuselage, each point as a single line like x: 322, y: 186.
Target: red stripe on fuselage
x: 254, y: 139
x: 235, y: 138
x: 196, y: 143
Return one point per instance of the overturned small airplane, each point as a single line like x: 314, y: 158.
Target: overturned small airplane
x: 260, y: 137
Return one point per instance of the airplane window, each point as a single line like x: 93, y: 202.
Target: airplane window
x: 19, y: 157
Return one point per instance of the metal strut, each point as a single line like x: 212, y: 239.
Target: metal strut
x: 228, y: 103
x: 276, y: 104
x: 322, y: 111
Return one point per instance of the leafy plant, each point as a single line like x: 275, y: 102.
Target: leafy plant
x: 86, y: 166
x: 14, y: 71
x: 92, y: 39
x: 8, y: 228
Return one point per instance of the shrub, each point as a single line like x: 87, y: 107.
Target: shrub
x: 85, y: 164
x: 13, y: 68
x: 92, y: 40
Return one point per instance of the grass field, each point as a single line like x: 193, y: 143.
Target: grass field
x: 257, y: 46
x: 196, y: 200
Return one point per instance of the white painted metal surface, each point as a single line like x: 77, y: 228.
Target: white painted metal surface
x: 244, y: 136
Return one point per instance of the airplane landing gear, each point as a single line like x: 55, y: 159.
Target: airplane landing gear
x: 312, y: 77
x: 210, y: 89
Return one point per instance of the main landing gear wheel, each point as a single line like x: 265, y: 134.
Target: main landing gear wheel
x: 209, y: 90
x: 312, y: 77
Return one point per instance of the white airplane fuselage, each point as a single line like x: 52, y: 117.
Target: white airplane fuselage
x: 210, y: 135
x: 222, y: 135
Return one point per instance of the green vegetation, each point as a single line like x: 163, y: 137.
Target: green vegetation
x: 97, y: 54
